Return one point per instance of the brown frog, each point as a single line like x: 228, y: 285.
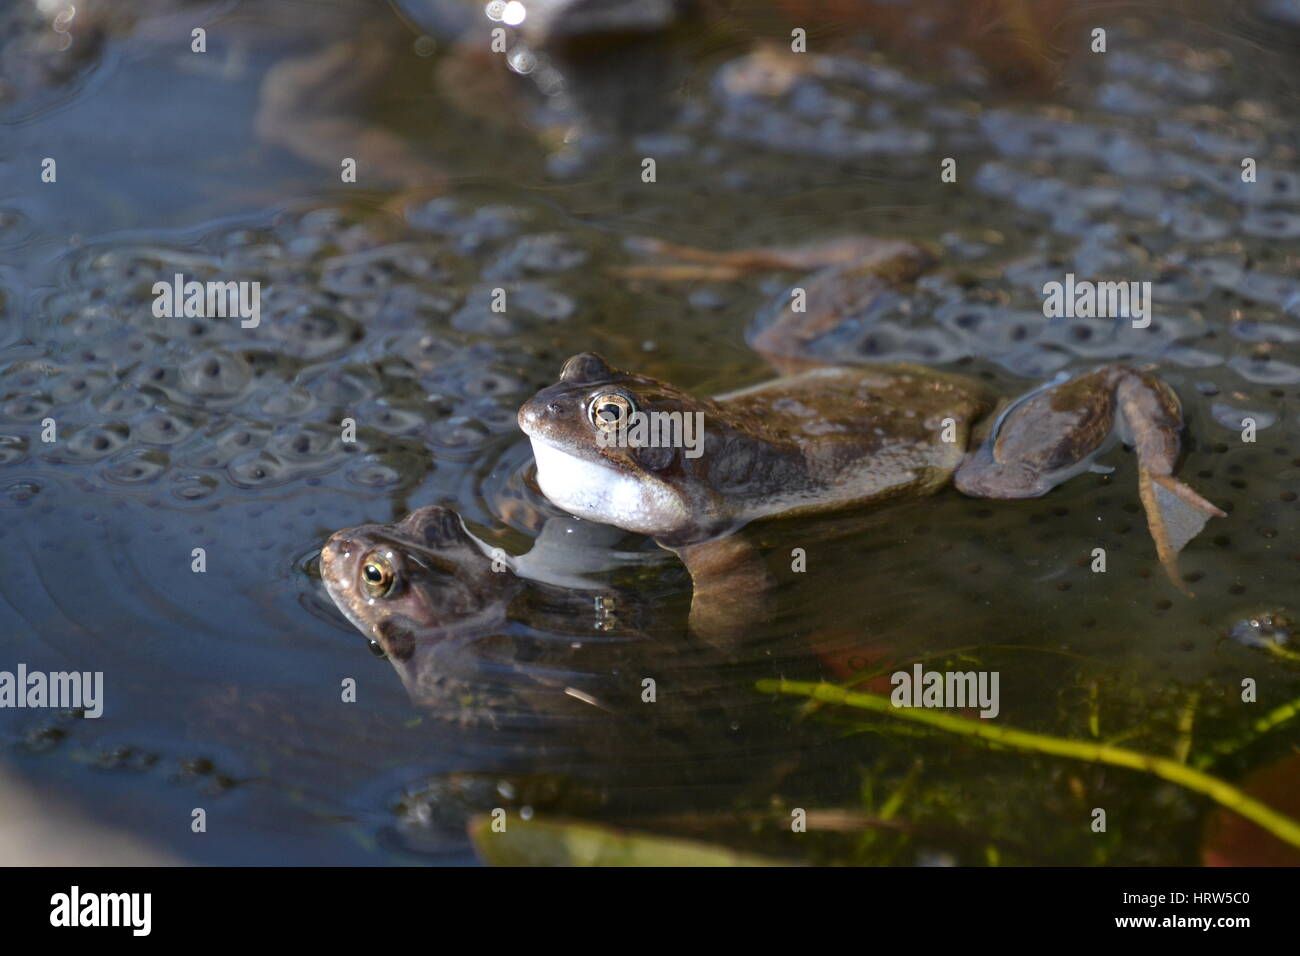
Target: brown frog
x: 631, y: 451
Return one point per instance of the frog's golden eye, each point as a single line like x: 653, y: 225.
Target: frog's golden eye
x: 377, y: 575
x: 610, y: 411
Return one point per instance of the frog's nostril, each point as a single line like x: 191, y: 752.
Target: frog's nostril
x: 335, y: 548
x: 535, y: 413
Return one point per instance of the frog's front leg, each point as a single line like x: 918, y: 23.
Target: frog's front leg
x: 1053, y: 433
x: 730, y: 582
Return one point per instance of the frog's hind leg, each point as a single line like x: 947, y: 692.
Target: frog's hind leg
x: 730, y: 582
x: 829, y: 297
x: 1053, y: 433
x: 848, y: 275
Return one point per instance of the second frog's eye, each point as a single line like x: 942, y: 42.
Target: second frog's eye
x: 377, y: 575
x: 610, y: 411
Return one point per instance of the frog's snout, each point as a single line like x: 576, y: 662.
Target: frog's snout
x: 528, y: 415
x: 538, y: 412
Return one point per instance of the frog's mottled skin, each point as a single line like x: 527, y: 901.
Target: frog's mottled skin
x: 824, y: 439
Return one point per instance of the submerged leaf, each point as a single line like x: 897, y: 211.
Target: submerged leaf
x: 566, y: 843
x: 1231, y: 840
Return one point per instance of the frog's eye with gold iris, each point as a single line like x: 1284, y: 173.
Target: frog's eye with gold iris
x: 377, y: 575
x: 610, y: 411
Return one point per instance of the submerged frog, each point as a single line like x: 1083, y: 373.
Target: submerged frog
x: 830, y: 438
x: 476, y: 633
x: 480, y: 641
x: 455, y: 616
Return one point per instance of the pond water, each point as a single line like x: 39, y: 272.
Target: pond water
x: 222, y: 688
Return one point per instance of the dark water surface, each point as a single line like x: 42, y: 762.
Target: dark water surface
x: 222, y: 689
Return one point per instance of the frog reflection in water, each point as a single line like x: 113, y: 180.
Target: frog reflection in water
x: 830, y: 437
x: 552, y: 673
x: 478, y: 636
x: 453, y: 614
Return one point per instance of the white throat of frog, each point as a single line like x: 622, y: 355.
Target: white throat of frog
x: 600, y: 492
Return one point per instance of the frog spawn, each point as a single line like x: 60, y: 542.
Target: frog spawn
x: 1085, y: 182
x: 360, y: 318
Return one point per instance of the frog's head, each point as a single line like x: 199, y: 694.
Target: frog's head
x: 420, y: 576
x: 594, y: 463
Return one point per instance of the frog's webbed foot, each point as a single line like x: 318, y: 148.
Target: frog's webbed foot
x: 1176, y: 514
x: 730, y: 581
x: 1053, y: 433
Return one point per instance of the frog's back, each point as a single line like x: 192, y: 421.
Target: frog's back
x: 864, y: 434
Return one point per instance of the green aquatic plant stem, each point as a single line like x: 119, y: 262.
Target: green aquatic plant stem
x: 1278, y: 651
x: 1186, y: 722
x: 1274, y: 718
x: 1223, y: 793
